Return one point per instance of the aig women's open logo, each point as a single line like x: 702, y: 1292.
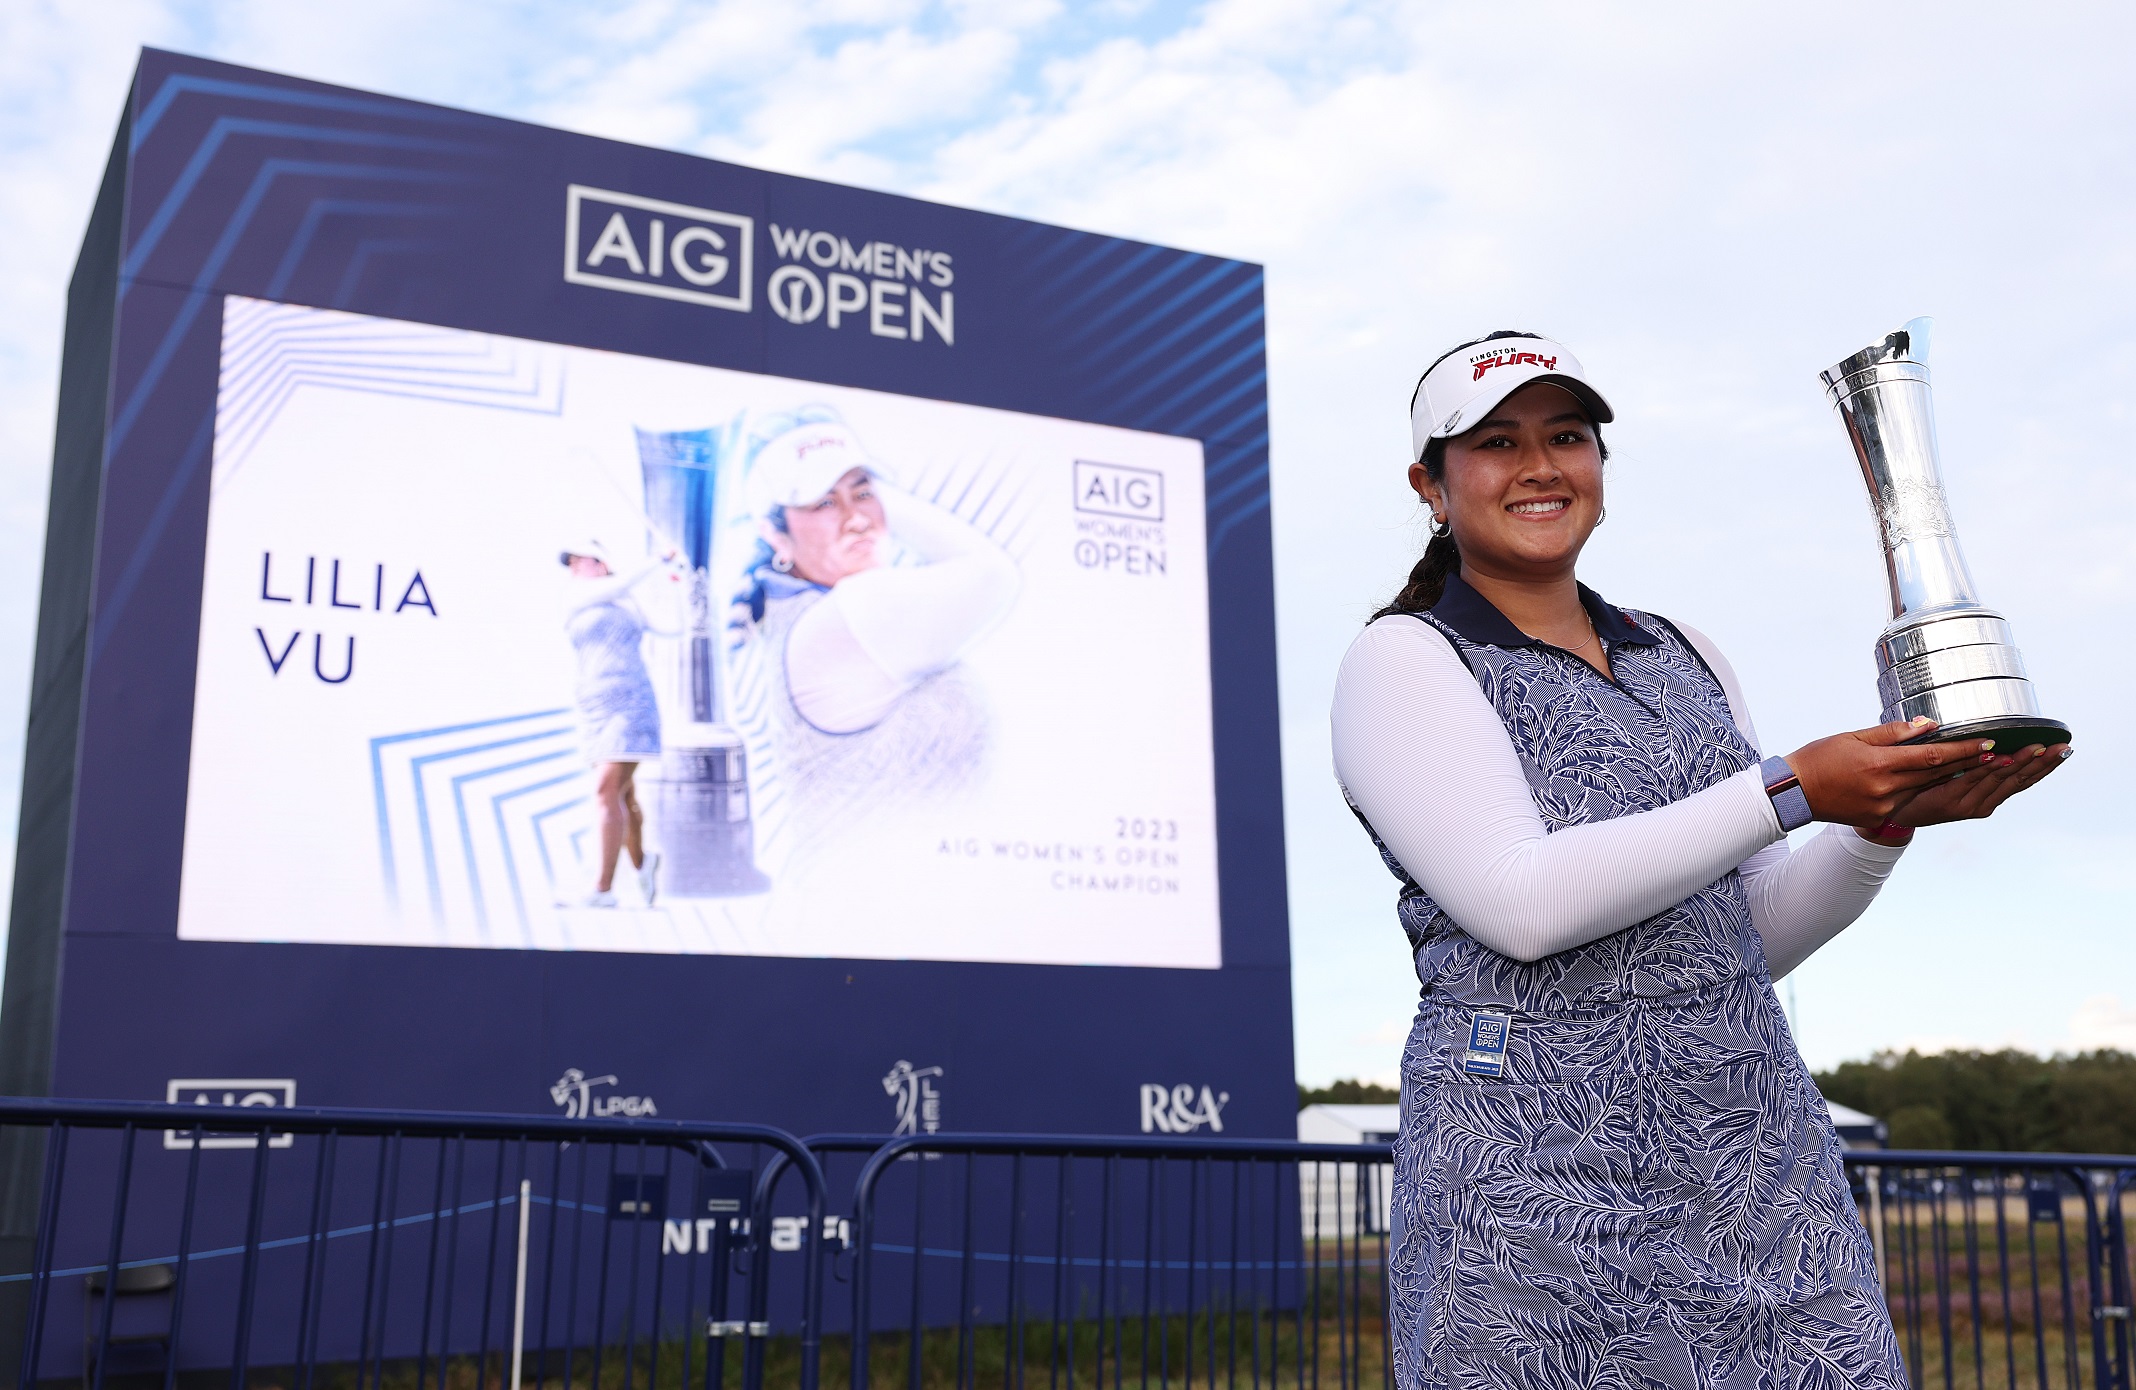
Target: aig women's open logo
x: 619, y: 241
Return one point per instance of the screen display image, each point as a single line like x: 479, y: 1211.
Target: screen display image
x: 880, y: 676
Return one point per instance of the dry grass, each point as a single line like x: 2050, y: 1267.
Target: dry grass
x: 1213, y: 1352
x: 1949, y: 1336
x: 1981, y: 1305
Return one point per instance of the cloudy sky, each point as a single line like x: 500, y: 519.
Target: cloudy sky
x: 1709, y: 203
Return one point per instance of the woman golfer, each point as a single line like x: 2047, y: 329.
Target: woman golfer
x: 1613, y: 1166
x: 863, y: 602
x: 619, y: 718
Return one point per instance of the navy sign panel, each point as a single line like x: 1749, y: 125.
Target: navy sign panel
x: 538, y: 624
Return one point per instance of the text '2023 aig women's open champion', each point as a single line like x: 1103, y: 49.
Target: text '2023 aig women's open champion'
x: 1944, y: 654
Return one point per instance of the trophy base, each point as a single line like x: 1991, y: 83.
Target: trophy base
x: 2010, y: 734
x: 697, y: 813
x: 1960, y: 668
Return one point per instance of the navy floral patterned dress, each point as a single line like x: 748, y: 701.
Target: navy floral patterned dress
x: 1649, y: 1192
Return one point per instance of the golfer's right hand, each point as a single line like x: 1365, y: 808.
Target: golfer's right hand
x: 1867, y: 776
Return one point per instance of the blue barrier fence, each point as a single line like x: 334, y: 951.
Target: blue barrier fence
x: 353, y: 1250
x: 2004, y: 1269
x: 1192, y: 1261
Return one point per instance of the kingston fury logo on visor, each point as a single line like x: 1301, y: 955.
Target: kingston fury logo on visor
x: 1485, y: 361
x: 619, y: 241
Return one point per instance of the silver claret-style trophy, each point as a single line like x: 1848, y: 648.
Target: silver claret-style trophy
x: 697, y: 796
x: 1944, y: 654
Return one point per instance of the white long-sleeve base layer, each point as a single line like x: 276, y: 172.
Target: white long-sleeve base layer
x: 880, y: 632
x: 1422, y: 755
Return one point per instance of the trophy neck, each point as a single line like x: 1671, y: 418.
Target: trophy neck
x: 679, y: 470
x: 1884, y: 400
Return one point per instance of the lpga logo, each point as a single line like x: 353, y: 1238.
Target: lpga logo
x: 919, y: 1104
x: 574, y: 1091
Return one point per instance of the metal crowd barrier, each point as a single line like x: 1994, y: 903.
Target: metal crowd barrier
x: 362, y: 1250
x: 2004, y: 1270
x: 350, y: 1250
x: 1095, y: 1260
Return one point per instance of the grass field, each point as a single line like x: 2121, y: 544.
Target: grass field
x: 1982, y: 1297
x: 1084, y: 1354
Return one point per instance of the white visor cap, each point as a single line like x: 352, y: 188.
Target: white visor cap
x: 1461, y: 391
x: 803, y: 464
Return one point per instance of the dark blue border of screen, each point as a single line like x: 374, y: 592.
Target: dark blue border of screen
x: 243, y: 182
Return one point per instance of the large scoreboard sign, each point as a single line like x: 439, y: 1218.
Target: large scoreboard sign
x: 536, y: 624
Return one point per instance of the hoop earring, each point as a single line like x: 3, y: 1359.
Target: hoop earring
x: 1601, y: 516
x: 782, y: 564
x: 1440, y: 528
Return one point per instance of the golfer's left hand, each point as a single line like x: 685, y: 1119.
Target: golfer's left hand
x: 1975, y: 793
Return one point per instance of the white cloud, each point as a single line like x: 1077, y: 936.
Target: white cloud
x: 2103, y: 1021
x: 805, y: 86
x: 1389, y: 1032
x: 2098, y: 1021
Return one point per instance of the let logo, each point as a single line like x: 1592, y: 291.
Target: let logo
x: 619, y: 241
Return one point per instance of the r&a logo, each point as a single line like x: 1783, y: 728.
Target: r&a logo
x: 1179, y: 1110
x: 619, y: 241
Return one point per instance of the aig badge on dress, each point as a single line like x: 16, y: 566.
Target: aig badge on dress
x: 1487, y: 1045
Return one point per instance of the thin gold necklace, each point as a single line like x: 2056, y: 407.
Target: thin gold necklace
x: 1592, y: 636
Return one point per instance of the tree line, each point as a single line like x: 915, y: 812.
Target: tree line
x: 1347, y: 1093
x: 2009, y: 1100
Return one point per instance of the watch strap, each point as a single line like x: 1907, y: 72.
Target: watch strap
x: 1785, y: 790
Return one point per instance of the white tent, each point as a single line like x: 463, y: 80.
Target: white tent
x: 1856, y: 1130
x: 1330, y: 1199
x: 1349, y: 1124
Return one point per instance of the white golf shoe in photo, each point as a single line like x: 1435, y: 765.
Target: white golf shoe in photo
x: 649, y: 877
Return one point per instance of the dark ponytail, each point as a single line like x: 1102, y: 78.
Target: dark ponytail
x: 1442, y: 558
x: 1427, y: 581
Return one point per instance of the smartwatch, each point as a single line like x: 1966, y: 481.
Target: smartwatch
x: 1785, y: 790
